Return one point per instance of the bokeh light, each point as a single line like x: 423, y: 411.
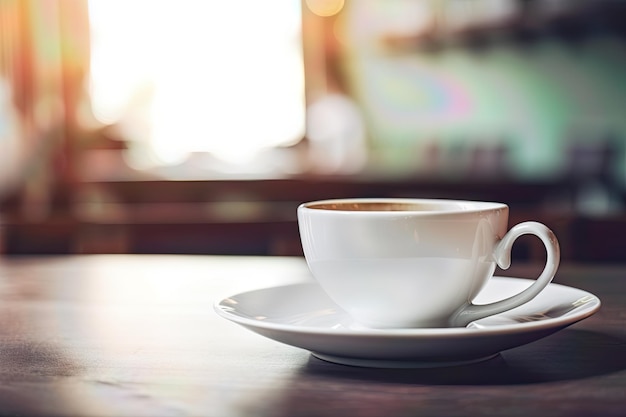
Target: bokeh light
x: 325, y: 8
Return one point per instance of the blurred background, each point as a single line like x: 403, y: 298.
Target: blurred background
x: 191, y: 126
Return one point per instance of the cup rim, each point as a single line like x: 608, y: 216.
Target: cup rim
x: 453, y: 206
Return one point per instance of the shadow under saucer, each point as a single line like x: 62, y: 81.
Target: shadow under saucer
x: 569, y: 354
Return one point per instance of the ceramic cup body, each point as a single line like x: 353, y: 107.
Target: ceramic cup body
x: 409, y: 262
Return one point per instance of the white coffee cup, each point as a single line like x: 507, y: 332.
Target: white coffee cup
x: 394, y: 263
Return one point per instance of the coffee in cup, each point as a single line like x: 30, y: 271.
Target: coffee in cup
x: 407, y: 263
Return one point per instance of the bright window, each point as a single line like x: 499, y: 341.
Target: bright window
x: 184, y: 76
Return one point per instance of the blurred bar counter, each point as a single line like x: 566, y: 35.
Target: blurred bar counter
x: 258, y: 216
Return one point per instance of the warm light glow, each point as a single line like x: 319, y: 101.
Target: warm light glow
x: 199, y: 76
x: 325, y: 7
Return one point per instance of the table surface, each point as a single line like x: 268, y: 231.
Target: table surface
x: 136, y: 335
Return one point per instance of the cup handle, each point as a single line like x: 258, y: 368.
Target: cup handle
x: 502, y: 253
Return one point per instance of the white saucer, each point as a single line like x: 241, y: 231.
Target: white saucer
x: 302, y: 315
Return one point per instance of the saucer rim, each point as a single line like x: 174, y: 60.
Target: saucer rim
x: 581, y: 313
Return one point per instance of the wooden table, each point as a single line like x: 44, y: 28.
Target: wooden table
x: 135, y: 335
